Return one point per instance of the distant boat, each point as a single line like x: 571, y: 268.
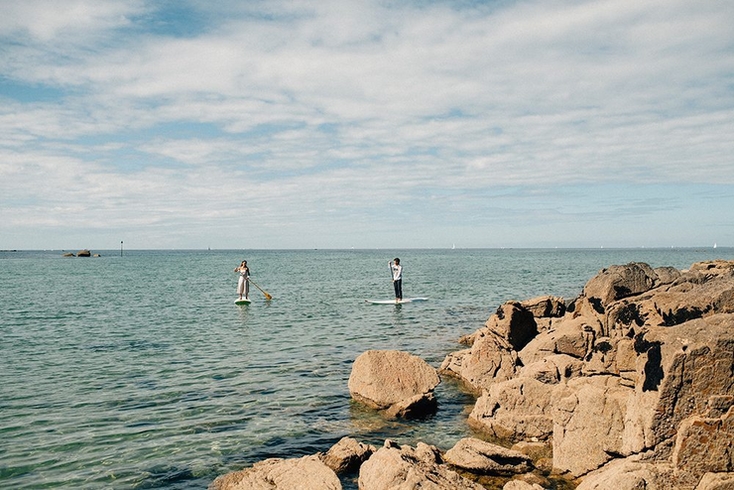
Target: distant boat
x: 453, y: 247
x: 714, y: 244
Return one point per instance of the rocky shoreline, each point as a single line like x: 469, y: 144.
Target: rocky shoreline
x: 628, y: 386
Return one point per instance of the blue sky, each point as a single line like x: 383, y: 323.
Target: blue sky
x: 366, y: 124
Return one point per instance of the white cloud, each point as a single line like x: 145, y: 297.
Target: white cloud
x: 47, y: 21
x: 321, y: 114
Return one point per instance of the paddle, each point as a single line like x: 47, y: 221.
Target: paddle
x: 267, y: 295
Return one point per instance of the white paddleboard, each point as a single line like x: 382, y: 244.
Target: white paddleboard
x: 242, y: 301
x: 393, y: 302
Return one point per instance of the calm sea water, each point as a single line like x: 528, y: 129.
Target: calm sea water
x: 140, y: 372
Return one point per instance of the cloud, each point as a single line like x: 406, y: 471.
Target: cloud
x: 339, y: 116
x: 45, y: 22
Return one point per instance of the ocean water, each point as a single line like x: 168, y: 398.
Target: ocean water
x: 140, y: 372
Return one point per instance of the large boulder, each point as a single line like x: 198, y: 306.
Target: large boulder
x: 615, y: 356
x: 553, y: 369
x: 707, y: 289
x: 491, y: 359
x: 395, y: 467
x: 347, y: 455
x: 515, y: 409
x: 571, y: 336
x: 483, y: 458
x: 514, y: 323
x: 705, y: 444
x: 620, y: 281
x: 281, y: 474
x: 545, y: 306
x: 398, y: 383
x: 679, y: 370
x: 716, y: 481
x: 667, y: 275
x: 588, y: 422
x: 711, y: 268
x: 686, y: 301
x: 631, y: 474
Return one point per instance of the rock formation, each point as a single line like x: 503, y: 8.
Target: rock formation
x: 397, y: 383
x: 635, y: 375
x: 81, y: 253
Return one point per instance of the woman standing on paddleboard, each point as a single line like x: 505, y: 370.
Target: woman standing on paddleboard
x: 243, y: 286
x: 397, y: 278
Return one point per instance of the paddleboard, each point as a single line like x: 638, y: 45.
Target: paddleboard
x: 242, y: 301
x: 393, y: 302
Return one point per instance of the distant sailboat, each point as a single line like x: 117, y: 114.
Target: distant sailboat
x: 453, y: 246
x: 714, y: 244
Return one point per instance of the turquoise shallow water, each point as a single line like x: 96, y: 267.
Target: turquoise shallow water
x: 140, y: 372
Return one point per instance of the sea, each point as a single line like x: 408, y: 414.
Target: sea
x: 136, y: 369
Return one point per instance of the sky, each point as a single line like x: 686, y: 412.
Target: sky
x: 276, y: 124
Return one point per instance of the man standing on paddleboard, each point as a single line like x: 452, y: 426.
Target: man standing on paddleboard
x: 397, y: 278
